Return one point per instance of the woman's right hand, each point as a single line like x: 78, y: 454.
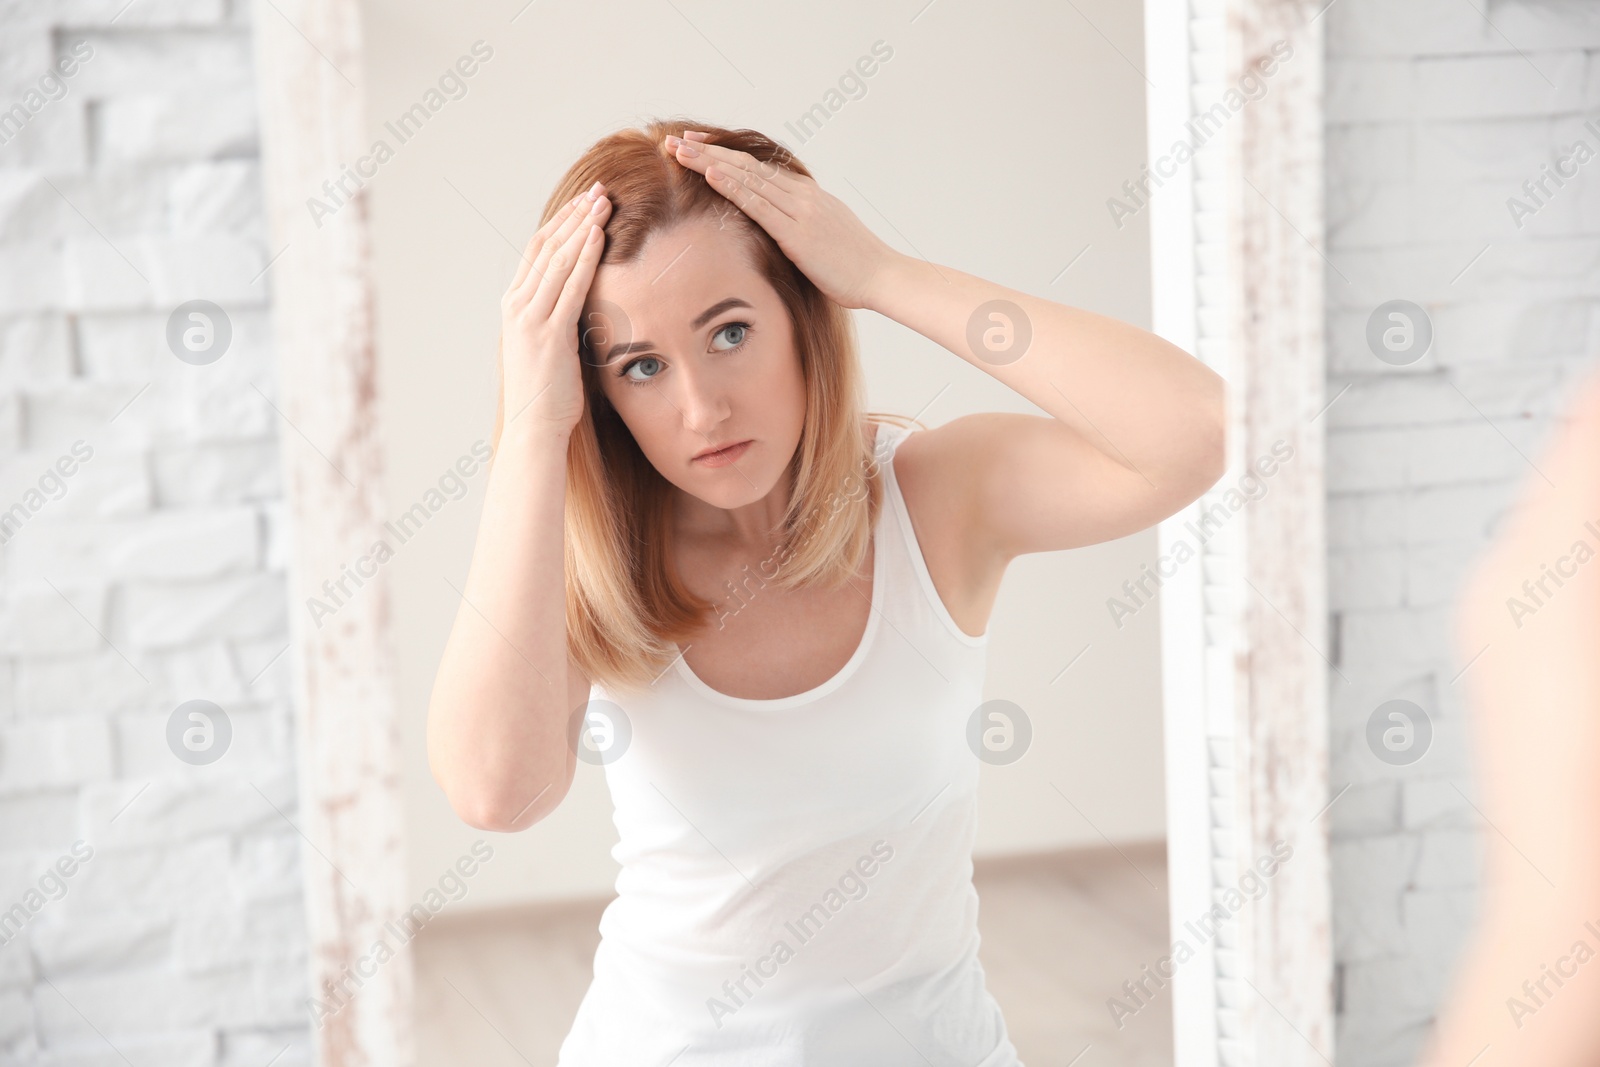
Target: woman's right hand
x: 543, y: 385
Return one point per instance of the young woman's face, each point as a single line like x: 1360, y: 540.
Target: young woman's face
x: 696, y: 351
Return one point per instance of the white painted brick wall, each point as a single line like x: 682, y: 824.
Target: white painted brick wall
x: 158, y: 577
x: 1434, y: 118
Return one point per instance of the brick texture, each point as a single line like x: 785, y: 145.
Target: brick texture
x: 152, y: 574
x: 1437, y: 112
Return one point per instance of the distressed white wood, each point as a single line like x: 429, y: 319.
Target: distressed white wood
x: 310, y: 69
x: 1281, y: 702
x: 1244, y: 623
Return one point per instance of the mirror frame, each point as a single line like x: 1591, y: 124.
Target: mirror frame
x: 1237, y: 279
x: 348, y: 756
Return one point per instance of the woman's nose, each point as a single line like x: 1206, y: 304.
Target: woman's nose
x: 702, y: 401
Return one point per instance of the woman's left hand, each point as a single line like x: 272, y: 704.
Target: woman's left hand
x: 815, y: 229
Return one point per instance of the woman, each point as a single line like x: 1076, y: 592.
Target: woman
x: 1527, y: 987
x: 771, y: 610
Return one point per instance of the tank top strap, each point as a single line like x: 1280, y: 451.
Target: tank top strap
x: 911, y: 590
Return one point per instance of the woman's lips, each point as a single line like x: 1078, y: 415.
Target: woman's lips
x: 725, y: 457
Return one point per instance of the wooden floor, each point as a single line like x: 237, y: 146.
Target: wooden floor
x: 1061, y: 933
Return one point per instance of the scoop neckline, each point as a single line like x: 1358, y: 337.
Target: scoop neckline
x: 868, y: 638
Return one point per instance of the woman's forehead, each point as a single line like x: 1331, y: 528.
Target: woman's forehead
x: 678, y: 274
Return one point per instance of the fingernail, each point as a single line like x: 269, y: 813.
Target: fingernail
x: 673, y: 142
x: 594, y: 190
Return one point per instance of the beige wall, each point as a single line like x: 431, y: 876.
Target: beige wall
x: 990, y: 141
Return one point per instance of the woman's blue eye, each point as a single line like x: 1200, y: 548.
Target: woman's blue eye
x: 744, y: 330
x: 638, y: 381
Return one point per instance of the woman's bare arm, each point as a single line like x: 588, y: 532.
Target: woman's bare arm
x: 1137, y: 424
x: 497, y: 718
x: 1528, y: 626
x: 506, y: 686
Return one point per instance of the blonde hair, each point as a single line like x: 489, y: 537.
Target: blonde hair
x: 625, y: 606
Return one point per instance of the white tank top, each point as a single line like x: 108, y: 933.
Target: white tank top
x: 796, y: 883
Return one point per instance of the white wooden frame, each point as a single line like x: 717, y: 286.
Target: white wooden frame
x: 1233, y: 238
x: 309, y: 72
x: 1237, y: 280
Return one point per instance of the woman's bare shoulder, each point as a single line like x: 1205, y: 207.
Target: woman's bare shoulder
x: 933, y: 468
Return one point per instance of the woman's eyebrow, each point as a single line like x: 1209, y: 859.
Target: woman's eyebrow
x: 718, y: 308
x: 699, y: 320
